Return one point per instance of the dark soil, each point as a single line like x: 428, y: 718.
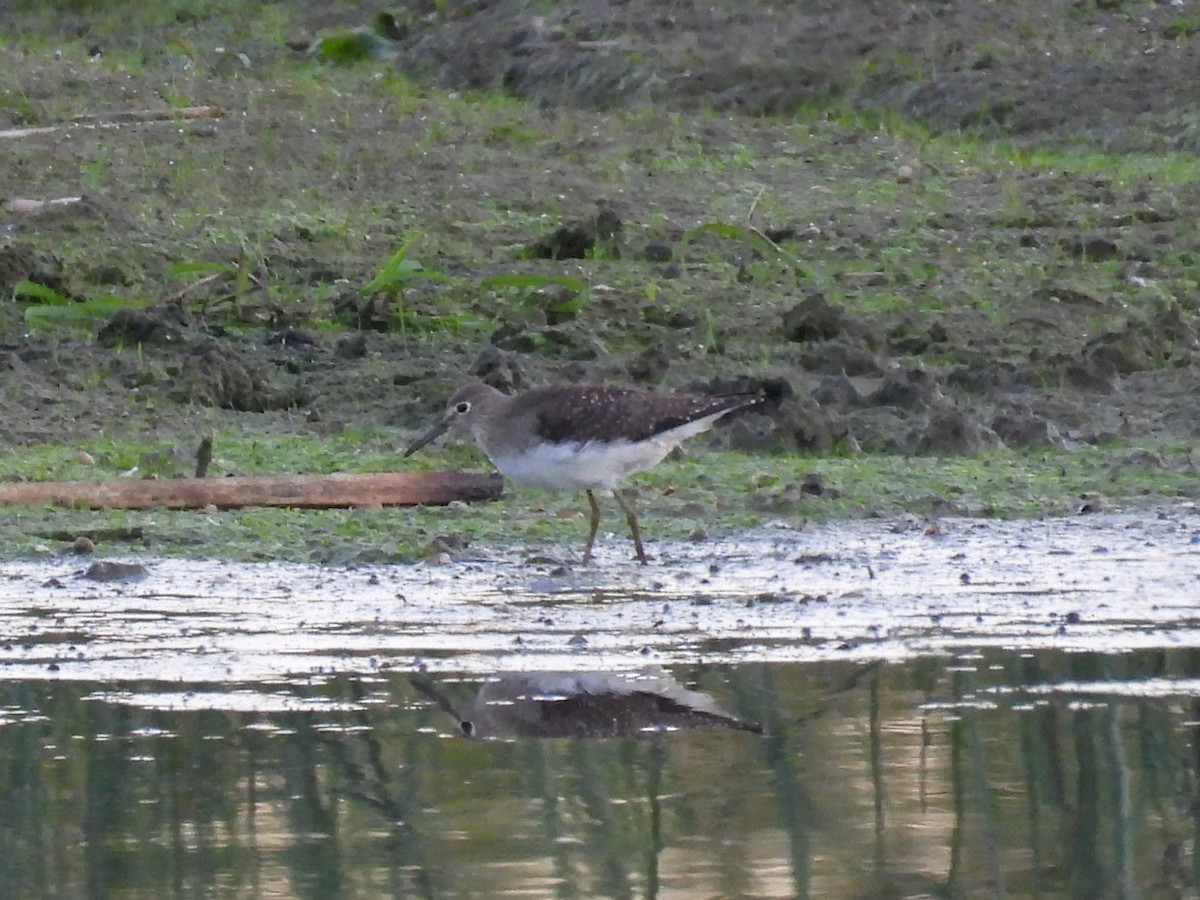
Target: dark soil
x: 987, y: 239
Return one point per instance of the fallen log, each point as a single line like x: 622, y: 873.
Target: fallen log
x: 166, y: 114
x: 26, y: 207
x: 301, y: 491
x: 118, y: 118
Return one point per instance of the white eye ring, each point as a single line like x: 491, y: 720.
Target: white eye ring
x: 462, y: 407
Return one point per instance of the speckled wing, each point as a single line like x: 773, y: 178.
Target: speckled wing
x: 585, y: 413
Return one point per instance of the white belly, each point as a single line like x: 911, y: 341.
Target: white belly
x: 590, y: 466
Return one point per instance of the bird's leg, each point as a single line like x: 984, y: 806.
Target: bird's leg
x: 631, y: 518
x: 587, y: 548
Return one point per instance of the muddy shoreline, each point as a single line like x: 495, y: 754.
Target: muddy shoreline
x: 862, y: 592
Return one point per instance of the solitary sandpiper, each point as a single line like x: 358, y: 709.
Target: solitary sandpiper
x: 580, y: 437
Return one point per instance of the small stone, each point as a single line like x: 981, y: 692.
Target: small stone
x: 905, y: 174
x: 115, y: 571
x: 83, y: 545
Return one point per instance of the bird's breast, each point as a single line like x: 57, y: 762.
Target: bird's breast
x: 579, y: 466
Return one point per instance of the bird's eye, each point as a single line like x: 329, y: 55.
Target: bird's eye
x: 467, y: 727
x: 462, y: 407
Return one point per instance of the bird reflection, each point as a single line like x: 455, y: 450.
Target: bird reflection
x: 581, y: 704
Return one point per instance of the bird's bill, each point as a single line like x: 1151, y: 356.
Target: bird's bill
x: 428, y: 437
x: 425, y: 686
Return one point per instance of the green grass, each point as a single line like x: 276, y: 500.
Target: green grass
x: 227, y: 217
x: 719, y: 492
x: 280, y: 183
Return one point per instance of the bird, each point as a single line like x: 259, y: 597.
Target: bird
x: 585, y: 437
x: 581, y: 705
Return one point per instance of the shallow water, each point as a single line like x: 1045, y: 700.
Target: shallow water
x: 1000, y: 709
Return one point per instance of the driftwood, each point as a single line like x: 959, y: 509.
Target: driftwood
x: 115, y: 119
x: 307, y: 491
x: 166, y: 114
x: 25, y: 207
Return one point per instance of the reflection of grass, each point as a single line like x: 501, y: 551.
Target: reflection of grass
x: 716, y: 491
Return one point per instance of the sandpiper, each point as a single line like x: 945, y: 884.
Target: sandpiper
x: 580, y: 437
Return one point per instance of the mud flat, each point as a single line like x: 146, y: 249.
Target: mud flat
x: 888, y: 590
